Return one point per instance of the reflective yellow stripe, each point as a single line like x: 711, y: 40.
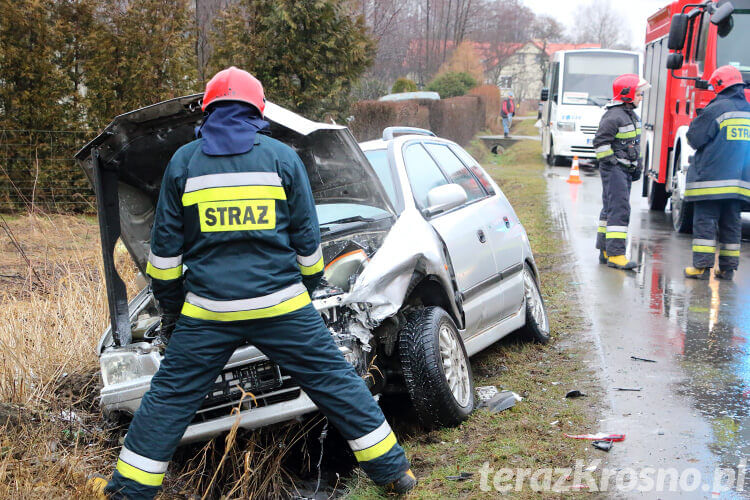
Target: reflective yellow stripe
x: 285, y: 307
x: 626, y: 135
x: 234, y: 193
x: 310, y: 270
x: 729, y: 253
x: 604, y: 154
x: 717, y: 190
x: 704, y: 249
x: 376, y: 450
x: 602, y: 229
x: 138, y: 475
x: 617, y: 235
x: 734, y: 121
x: 164, y: 274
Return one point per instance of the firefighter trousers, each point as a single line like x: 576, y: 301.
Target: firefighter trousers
x: 300, y: 343
x: 612, y: 233
x: 709, y: 218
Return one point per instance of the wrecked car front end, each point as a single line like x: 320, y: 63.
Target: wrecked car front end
x: 126, y: 163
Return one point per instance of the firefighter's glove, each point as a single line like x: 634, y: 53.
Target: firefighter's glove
x: 635, y: 174
x: 168, y: 322
x: 311, y: 283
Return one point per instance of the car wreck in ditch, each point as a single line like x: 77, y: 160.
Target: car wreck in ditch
x: 417, y: 277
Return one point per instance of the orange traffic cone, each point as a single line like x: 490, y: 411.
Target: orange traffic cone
x: 574, y: 177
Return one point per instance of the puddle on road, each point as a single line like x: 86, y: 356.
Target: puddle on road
x: 711, y: 323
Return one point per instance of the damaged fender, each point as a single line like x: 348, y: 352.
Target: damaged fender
x: 412, y: 245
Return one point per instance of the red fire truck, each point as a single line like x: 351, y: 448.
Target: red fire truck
x: 685, y: 42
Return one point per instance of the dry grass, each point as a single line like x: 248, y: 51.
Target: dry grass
x: 52, y: 312
x: 53, y: 308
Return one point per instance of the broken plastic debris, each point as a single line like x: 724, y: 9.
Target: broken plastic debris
x: 486, y: 392
x: 598, y: 437
x: 575, y: 393
x: 501, y: 401
x: 635, y: 389
x: 462, y: 476
x: 604, y: 445
x: 636, y: 358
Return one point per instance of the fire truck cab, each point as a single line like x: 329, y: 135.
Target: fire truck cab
x: 685, y: 42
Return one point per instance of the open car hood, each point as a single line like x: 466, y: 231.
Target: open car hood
x: 126, y: 163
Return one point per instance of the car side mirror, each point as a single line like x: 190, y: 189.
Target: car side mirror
x: 722, y: 13
x: 674, y: 61
x: 677, y: 32
x: 545, y: 95
x: 444, y: 198
x: 725, y: 27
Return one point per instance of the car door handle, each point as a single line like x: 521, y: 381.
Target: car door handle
x: 481, y: 236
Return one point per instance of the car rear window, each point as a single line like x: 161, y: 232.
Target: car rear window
x: 456, y: 171
x: 473, y: 165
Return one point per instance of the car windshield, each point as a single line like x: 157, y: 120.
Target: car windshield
x: 588, y: 77
x: 332, y: 213
x: 732, y: 49
x: 378, y: 158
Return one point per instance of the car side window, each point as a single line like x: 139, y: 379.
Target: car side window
x: 423, y: 172
x: 473, y: 165
x: 456, y: 170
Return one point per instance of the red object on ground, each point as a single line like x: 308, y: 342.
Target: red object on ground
x: 602, y: 436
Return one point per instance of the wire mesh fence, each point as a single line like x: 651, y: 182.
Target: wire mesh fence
x: 38, y: 172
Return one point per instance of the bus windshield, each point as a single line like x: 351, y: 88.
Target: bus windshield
x: 587, y: 78
x: 732, y: 49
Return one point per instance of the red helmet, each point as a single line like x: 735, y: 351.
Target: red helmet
x: 725, y: 77
x: 234, y: 84
x: 626, y: 86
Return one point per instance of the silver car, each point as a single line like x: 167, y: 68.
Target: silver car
x: 426, y: 265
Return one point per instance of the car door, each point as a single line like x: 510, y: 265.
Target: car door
x: 463, y: 229
x: 506, y: 234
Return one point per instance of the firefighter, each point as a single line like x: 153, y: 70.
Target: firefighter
x: 507, y: 111
x: 235, y: 249
x: 718, y: 180
x: 617, y: 147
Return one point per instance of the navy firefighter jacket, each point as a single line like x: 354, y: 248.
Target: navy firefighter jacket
x: 721, y: 137
x: 235, y: 235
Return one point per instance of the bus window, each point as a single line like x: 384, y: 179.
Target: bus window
x: 554, y: 87
x: 587, y: 78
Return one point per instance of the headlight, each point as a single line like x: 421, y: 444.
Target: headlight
x: 566, y: 126
x: 126, y: 365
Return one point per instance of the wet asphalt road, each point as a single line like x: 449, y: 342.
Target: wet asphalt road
x: 693, y: 408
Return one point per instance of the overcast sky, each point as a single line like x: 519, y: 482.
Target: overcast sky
x: 635, y: 12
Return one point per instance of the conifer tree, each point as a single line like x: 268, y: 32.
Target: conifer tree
x: 307, y: 53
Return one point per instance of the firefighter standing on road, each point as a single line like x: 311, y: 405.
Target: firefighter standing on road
x: 617, y: 146
x: 718, y: 181
x: 236, y: 209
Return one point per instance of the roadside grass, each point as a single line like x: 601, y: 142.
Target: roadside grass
x: 529, y: 435
x: 52, y: 434
x: 525, y: 127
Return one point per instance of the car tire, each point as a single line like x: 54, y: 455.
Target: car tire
x: 552, y: 160
x: 536, y: 328
x: 436, y: 368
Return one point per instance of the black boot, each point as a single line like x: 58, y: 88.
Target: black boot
x: 402, y: 485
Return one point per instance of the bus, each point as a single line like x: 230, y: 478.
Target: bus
x: 579, y: 84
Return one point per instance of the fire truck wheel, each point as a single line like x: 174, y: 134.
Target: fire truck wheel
x: 657, y: 195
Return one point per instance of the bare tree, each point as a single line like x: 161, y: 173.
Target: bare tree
x: 600, y: 22
x: 546, y: 30
x: 205, y: 12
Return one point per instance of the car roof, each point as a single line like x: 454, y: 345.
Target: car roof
x: 381, y: 144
